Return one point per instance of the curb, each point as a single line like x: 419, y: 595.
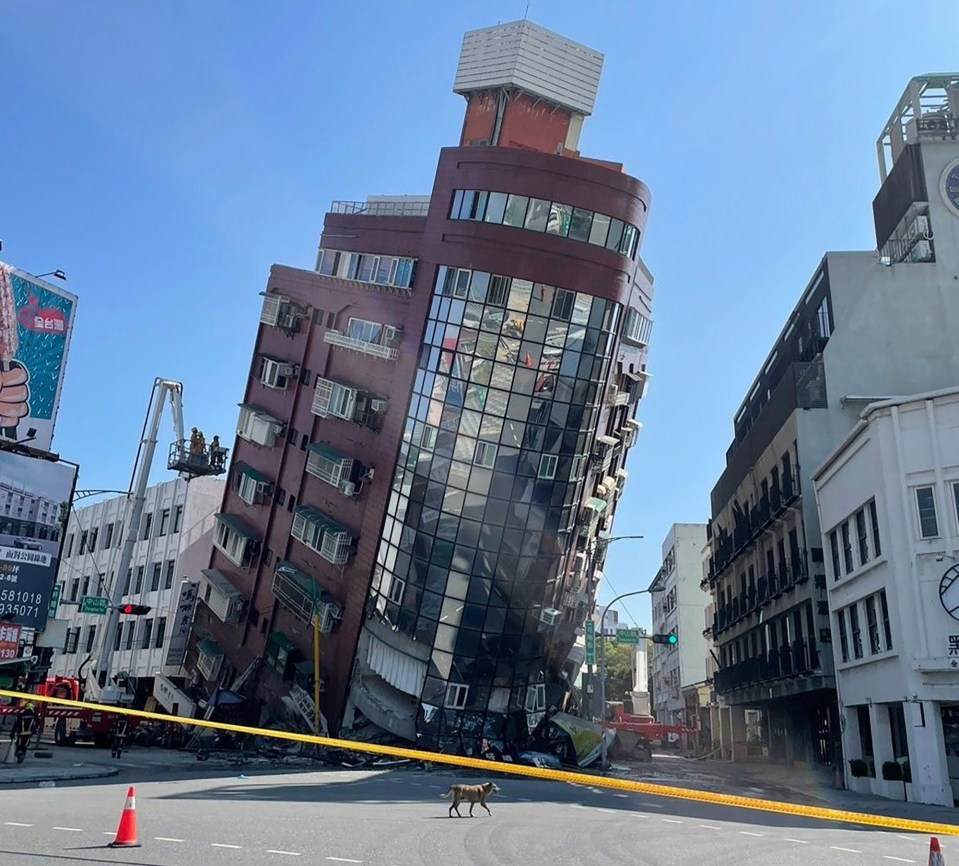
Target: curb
x: 102, y: 773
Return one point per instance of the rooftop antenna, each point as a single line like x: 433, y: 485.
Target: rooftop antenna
x: 526, y: 13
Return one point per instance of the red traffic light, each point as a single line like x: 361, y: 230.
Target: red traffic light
x: 135, y: 609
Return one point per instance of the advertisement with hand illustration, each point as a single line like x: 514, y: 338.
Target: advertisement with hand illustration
x: 36, y: 320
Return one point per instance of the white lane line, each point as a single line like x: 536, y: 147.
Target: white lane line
x: 652, y: 805
x: 69, y: 829
x: 797, y: 841
x: 524, y: 800
x: 15, y: 824
x: 747, y: 833
x: 607, y: 811
x: 167, y: 839
x: 847, y: 850
x: 285, y: 853
x: 344, y: 860
x: 897, y: 859
x: 671, y: 821
x: 710, y: 827
x: 221, y: 845
x: 578, y: 806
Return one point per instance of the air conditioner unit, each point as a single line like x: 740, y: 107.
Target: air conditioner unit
x: 379, y: 405
x: 550, y: 616
x: 579, y: 563
x: 348, y: 488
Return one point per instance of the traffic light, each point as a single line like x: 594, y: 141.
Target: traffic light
x: 135, y: 609
x: 669, y: 639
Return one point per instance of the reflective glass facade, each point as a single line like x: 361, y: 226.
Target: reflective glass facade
x: 485, y: 500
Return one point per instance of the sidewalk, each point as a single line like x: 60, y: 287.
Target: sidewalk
x: 55, y: 769
x: 797, y: 784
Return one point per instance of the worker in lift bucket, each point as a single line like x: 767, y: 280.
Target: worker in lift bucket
x: 217, y: 453
x: 197, y: 445
x: 23, y: 729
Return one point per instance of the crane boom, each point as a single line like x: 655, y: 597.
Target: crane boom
x: 189, y: 463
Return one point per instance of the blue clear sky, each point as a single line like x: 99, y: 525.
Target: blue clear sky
x: 166, y: 154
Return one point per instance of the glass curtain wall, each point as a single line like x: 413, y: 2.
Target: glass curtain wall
x: 486, y: 498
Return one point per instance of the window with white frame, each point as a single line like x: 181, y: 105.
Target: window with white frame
x: 368, y: 332
x: 456, y: 694
x: 578, y: 467
x: 428, y: 439
x: 855, y: 542
x: 536, y: 698
x: 322, y: 536
x: 274, y: 373
x: 873, y: 612
x: 333, y: 399
x: 636, y: 327
x: 855, y: 630
x: 547, y: 466
x: 485, y: 454
x: 955, y: 498
x: 233, y: 544
x: 251, y: 487
x: 397, y: 588
x: 843, y: 635
x: 380, y: 270
x: 926, y: 511
x: 328, y: 466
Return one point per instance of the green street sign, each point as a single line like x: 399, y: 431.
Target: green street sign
x: 628, y: 636
x: 54, y: 602
x: 590, y: 642
x: 95, y: 604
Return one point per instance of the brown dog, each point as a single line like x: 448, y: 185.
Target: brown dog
x: 471, y: 794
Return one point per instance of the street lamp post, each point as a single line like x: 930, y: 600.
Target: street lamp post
x: 592, y: 594
x: 602, y: 678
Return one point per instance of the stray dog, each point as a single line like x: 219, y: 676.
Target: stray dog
x: 471, y: 794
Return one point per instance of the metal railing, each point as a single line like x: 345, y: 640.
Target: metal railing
x: 381, y: 208
x: 376, y: 350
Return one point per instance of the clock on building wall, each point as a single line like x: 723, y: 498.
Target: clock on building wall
x: 949, y: 186
x: 949, y: 591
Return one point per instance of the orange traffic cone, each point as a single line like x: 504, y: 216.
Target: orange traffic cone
x: 935, y: 853
x: 127, y: 831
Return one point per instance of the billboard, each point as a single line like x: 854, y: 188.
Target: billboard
x: 180, y: 635
x: 36, y: 320
x: 34, y: 502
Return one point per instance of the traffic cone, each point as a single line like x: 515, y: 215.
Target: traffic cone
x: 127, y: 831
x: 935, y: 853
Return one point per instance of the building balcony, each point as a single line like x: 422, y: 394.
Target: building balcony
x: 221, y: 596
x: 616, y: 397
x: 321, y: 534
x: 305, y: 599
x: 209, y: 659
x: 384, y: 352
x: 414, y: 208
x: 798, y: 659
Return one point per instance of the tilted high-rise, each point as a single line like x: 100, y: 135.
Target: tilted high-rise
x: 438, y: 459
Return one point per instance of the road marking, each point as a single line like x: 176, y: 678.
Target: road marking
x: 15, y: 824
x: 652, y: 805
x: 710, y: 827
x: 524, y: 800
x: 607, y: 811
x: 897, y: 859
x: 671, y: 821
x: 578, y: 806
x: 797, y: 841
x: 287, y: 853
x: 847, y: 850
x: 344, y: 860
x: 69, y: 829
x: 167, y: 839
x: 747, y: 833
x: 221, y: 845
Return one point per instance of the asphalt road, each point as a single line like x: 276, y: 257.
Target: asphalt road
x: 398, y: 819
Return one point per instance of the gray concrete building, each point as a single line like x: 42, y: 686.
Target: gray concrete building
x: 868, y: 325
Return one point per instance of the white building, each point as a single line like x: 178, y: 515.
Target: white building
x: 679, y: 602
x: 23, y: 512
x: 889, y: 506
x: 177, y: 517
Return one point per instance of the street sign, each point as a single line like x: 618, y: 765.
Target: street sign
x: 628, y: 636
x: 54, y: 601
x: 97, y: 604
x: 9, y: 641
x: 590, y: 642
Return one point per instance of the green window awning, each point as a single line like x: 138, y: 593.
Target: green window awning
x: 328, y: 452
x: 282, y: 641
x: 249, y: 471
x: 596, y: 504
x: 237, y: 525
x: 210, y: 648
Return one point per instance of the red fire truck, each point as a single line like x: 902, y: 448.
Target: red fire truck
x: 69, y: 725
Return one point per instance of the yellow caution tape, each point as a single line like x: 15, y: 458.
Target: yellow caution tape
x: 817, y: 812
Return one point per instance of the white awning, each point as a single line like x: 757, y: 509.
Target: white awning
x: 634, y: 424
x: 399, y: 670
x: 611, y: 441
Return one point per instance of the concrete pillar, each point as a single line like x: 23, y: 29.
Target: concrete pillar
x: 881, y: 736
x: 851, y: 744
x: 737, y: 730
x: 927, y: 754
